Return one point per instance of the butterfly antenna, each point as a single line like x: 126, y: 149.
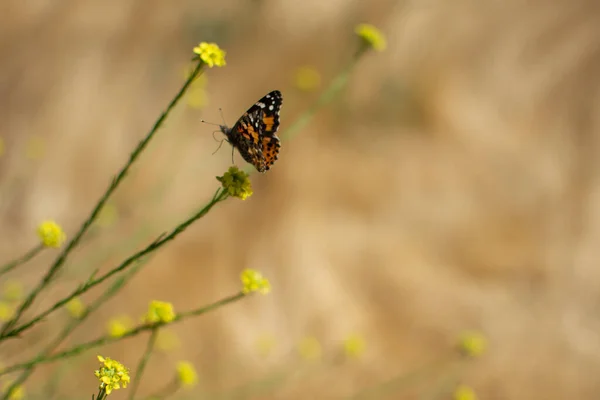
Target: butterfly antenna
x: 209, y: 123
x: 222, y: 116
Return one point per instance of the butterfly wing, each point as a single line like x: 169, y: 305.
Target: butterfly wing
x: 254, y: 134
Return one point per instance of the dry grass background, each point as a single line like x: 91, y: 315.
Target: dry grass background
x: 453, y: 185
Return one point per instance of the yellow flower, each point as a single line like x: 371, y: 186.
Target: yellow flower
x: 265, y: 345
x: 472, y: 344
x: 6, y: 311
x: 463, y: 392
x: 51, y: 234
x: 307, y: 78
x: 253, y: 281
x: 119, y: 326
x: 371, y: 36
x: 159, y: 311
x: 75, y: 307
x: 187, y: 374
x: 108, y: 215
x: 35, y: 148
x: 2, y: 147
x: 236, y: 183
x: 309, y: 348
x: 17, y: 393
x: 167, y: 340
x: 197, y: 98
x: 210, y: 54
x: 354, y: 346
x: 112, y: 374
x: 12, y: 290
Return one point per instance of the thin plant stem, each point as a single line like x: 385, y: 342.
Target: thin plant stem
x: 219, y: 196
x: 108, y: 294
x: 110, y: 339
x: 142, y: 364
x: 335, y: 87
x: 21, y: 260
x: 109, y: 191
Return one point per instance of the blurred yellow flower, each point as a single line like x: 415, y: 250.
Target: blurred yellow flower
x: 309, y: 349
x: 236, y: 183
x: 187, y: 374
x: 210, y: 54
x: 12, y: 290
x: 35, y: 147
x: 265, y: 345
x: 197, y: 98
x: 112, y: 374
x: 7, y: 311
x: 51, y: 234
x: 75, y: 307
x: 253, y: 281
x: 472, y: 344
x: 463, y: 392
x: 371, y: 36
x: 119, y: 326
x: 159, y: 311
x: 167, y: 340
x: 354, y: 346
x: 17, y: 393
x: 109, y: 214
x: 307, y: 78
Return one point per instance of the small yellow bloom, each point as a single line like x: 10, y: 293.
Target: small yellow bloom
x: 108, y: 215
x: 253, y: 281
x: 265, y: 345
x: 35, y: 148
x: 307, y: 79
x: 17, y: 393
x: 210, y: 54
x: 7, y: 311
x: 472, y: 344
x: 119, y: 326
x: 167, y: 340
x: 159, y: 311
x: 75, y: 307
x: 187, y: 374
x: 236, y: 183
x: 309, y: 348
x: 354, y: 346
x: 463, y: 392
x: 12, y: 290
x: 112, y: 375
x: 371, y: 36
x: 51, y: 234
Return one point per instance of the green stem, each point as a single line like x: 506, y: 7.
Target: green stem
x: 334, y: 88
x: 111, y: 188
x: 220, y: 195
x: 142, y: 365
x: 21, y: 260
x: 109, y: 339
x: 109, y: 293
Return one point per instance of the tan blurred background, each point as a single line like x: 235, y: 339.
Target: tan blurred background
x: 451, y: 186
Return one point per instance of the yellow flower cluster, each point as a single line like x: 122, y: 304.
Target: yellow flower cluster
x: 112, y: 375
x: 159, y: 312
x: 51, y: 234
x: 210, y: 54
x: 253, y: 281
x: 187, y: 374
x: 371, y: 36
x: 472, y: 344
x: 236, y: 183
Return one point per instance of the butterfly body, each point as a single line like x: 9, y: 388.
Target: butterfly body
x: 255, y: 133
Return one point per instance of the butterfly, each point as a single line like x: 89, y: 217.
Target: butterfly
x: 254, y: 134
